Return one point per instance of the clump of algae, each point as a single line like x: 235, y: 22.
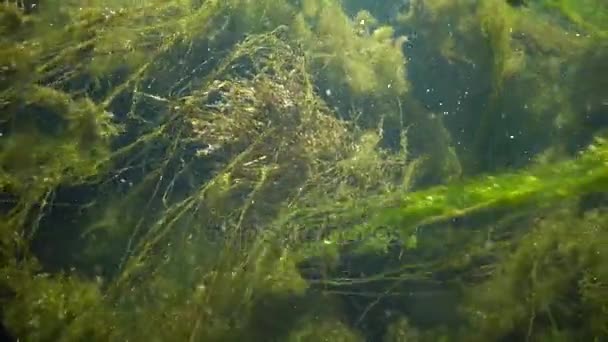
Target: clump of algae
x: 352, y: 56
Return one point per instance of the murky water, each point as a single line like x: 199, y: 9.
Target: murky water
x: 312, y: 170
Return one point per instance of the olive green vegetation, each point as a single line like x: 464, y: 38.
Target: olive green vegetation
x: 397, y: 216
x: 522, y: 76
x: 281, y: 170
x: 552, y: 265
x: 360, y: 67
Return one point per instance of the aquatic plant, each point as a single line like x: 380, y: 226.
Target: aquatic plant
x: 394, y: 217
x: 516, y: 54
x: 548, y: 279
x: 269, y: 170
x: 353, y: 58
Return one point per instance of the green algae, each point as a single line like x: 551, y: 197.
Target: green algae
x: 397, y: 216
x: 268, y: 170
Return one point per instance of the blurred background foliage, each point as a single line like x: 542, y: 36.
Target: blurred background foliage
x: 312, y: 170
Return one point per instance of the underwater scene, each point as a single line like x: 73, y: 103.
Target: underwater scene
x: 304, y: 170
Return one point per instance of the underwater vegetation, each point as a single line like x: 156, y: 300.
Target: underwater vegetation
x: 313, y: 170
